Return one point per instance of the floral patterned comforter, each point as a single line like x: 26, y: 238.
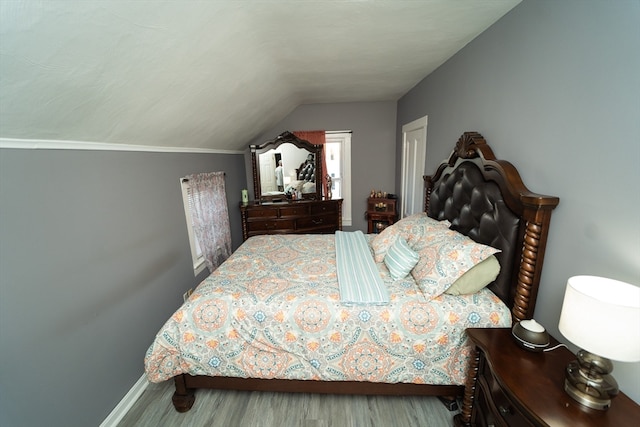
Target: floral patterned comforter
x: 272, y: 310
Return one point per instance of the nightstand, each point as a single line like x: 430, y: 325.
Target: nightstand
x: 510, y: 386
x: 381, y: 213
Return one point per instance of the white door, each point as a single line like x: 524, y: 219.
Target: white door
x: 414, y: 151
x: 267, y: 172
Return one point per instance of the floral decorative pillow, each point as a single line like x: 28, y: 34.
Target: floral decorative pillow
x: 413, y: 228
x: 445, y: 258
x: 383, y: 241
x: 420, y: 226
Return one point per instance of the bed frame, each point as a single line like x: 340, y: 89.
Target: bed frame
x: 483, y: 198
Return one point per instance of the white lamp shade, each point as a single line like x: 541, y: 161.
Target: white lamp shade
x: 602, y: 316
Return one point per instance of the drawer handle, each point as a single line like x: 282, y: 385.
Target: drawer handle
x: 504, y: 410
x: 317, y: 221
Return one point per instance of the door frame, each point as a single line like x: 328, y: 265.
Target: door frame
x: 410, y: 163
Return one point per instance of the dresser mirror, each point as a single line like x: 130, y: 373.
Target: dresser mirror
x: 300, y: 170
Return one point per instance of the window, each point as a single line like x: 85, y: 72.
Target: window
x: 337, y: 152
x: 196, y: 253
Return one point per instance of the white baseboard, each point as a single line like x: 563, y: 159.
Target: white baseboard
x: 126, y: 403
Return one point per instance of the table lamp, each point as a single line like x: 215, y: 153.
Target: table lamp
x: 602, y: 317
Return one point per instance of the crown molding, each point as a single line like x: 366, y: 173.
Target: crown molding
x: 45, y: 144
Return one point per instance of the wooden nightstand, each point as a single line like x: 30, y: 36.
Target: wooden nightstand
x: 381, y: 213
x: 510, y: 386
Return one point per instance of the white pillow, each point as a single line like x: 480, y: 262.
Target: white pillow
x: 297, y: 185
x: 309, y: 187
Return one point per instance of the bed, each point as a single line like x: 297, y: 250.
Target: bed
x: 275, y: 319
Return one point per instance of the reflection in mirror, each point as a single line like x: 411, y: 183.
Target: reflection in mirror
x: 281, y: 167
x: 285, y: 168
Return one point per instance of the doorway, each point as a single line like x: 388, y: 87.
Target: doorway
x: 414, y: 151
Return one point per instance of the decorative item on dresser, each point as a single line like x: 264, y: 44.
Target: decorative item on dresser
x: 381, y: 213
x: 292, y: 217
x: 510, y: 386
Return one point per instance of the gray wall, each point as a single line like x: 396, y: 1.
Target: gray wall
x: 554, y: 87
x: 94, y: 257
x: 372, y: 144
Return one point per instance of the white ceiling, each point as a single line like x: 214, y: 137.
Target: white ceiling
x: 213, y: 74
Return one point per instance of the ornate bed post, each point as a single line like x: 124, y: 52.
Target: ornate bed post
x: 428, y: 186
x: 534, y: 241
x: 463, y: 419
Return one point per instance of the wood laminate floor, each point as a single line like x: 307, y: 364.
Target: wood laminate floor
x: 263, y: 409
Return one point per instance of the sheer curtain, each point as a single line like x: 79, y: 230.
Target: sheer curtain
x: 210, y: 217
x: 316, y: 137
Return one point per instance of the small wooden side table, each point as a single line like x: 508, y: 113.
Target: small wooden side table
x: 510, y: 386
x: 381, y: 213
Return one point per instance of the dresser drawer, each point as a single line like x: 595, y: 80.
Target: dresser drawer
x: 295, y: 210
x: 318, y: 221
x: 262, y: 213
x: 324, y: 208
x: 270, y: 225
x: 500, y: 410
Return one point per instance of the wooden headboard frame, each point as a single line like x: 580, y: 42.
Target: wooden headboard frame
x: 519, y: 217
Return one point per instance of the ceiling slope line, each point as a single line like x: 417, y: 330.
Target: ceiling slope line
x: 44, y: 144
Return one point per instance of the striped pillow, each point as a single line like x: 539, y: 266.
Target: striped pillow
x: 400, y: 259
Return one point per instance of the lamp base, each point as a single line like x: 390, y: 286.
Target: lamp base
x: 586, y: 399
x: 588, y: 381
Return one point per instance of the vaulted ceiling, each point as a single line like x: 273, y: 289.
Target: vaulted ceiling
x: 213, y: 74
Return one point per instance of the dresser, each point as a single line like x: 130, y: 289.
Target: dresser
x: 510, y: 386
x: 291, y: 217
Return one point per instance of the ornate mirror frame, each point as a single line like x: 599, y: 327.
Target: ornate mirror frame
x: 284, y: 138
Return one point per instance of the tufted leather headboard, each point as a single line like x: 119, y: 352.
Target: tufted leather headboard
x: 306, y: 172
x: 485, y: 199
